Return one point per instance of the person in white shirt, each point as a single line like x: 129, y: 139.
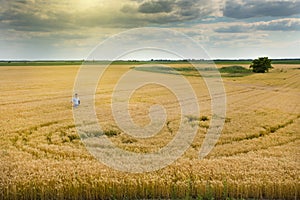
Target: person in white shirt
x: 75, y: 100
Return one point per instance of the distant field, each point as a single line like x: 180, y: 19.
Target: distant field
x: 257, y: 156
x: 79, y: 62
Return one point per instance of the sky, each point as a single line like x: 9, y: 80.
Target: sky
x: 72, y: 29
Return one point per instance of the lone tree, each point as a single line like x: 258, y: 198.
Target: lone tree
x: 261, y: 65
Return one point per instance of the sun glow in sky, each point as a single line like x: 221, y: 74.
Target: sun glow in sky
x: 64, y: 29
x: 85, y: 4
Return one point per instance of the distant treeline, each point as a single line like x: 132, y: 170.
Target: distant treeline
x: 40, y: 63
x: 135, y: 62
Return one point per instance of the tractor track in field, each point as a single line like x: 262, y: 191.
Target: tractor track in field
x: 259, y: 148
x: 34, y: 128
x: 260, y: 95
x: 46, y: 100
x: 269, y: 132
x: 262, y: 147
x: 23, y: 143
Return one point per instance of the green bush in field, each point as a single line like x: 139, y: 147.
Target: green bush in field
x: 261, y: 65
x: 234, y: 69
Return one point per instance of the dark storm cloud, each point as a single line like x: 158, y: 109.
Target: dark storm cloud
x: 24, y: 15
x: 164, y: 6
x: 254, y: 8
x: 292, y: 24
x: 167, y: 11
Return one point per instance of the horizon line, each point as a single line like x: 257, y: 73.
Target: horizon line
x: 138, y: 60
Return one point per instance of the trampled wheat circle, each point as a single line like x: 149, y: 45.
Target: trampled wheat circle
x: 140, y: 42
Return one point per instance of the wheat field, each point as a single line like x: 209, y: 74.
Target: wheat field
x: 43, y: 157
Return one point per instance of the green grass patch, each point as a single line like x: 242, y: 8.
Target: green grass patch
x: 235, y: 71
x: 186, y: 71
x: 231, y: 71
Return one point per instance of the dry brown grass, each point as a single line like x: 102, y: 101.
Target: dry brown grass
x: 42, y: 157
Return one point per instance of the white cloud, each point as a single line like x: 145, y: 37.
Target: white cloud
x: 287, y: 24
x: 240, y: 9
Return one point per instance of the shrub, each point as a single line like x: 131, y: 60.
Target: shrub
x: 261, y: 65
